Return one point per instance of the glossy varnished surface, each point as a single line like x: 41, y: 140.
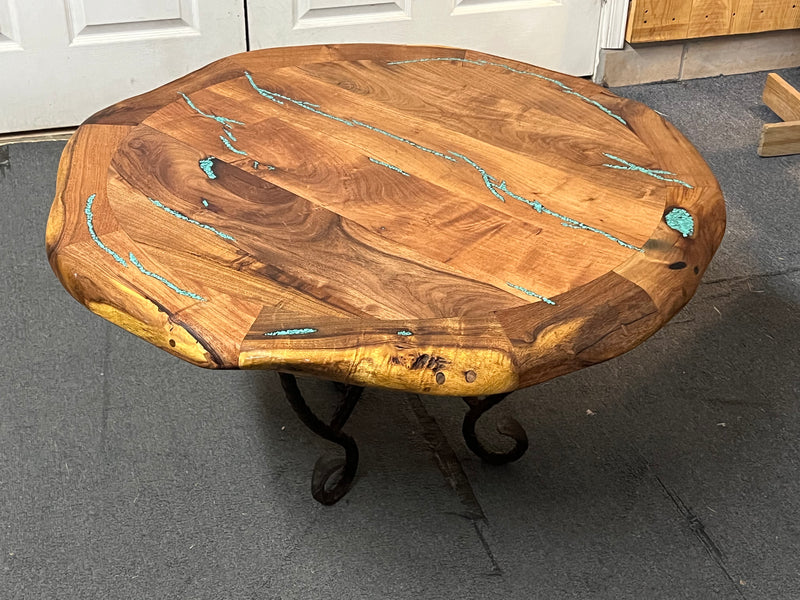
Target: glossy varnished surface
x: 422, y: 218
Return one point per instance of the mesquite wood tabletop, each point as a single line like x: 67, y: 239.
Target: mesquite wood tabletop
x: 421, y: 218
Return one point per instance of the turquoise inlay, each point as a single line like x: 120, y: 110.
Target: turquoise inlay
x: 349, y: 122
x: 564, y: 87
x: 230, y: 146
x: 222, y: 120
x: 488, y: 180
x: 596, y: 104
x: 493, y: 187
x: 205, y: 202
x: 158, y: 277
x: 265, y: 93
x: 207, y: 164
x: 404, y: 333
x: 90, y: 224
x: 180, y: 215
x: 270, y: 167
x: 303, y: 331
x: 565, y: 220
x: 307, y: 105
x: 388, y: 166
x: 255, y: 164
x: 229, y: 133
x: 530, y: 293
x: 681, y: 221
x: 629, y: 166
x: 404, y: 140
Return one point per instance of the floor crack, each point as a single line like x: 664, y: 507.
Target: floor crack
x: 786, y: 271
x: 698, y: 529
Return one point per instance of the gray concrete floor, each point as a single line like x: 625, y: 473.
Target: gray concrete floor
x: 669, y: 472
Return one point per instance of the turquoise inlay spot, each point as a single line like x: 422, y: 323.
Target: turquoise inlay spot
x: 404, y: 333
x: 158, y: 277
x: 222, y: 120
x: 303, y: 331
x: 270, y: 167
x: 388, y: 166
x: 629, y: 166
x: 182, y: 216
x: 229, y: 133
x: 530, y: 293
x: 564, y: 87
x: 230, y: 146
x: 681, y: 221
x: 90, y: 224
x: 207, y: 164
x: 255, y: 164
x: 204, y: 201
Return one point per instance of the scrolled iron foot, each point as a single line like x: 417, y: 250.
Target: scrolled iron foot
x: 507, y: 427
x: 333, y: 476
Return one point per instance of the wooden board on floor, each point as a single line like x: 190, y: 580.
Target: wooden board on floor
x: 779, y: 139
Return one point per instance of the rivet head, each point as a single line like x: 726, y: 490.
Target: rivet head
x: 440, y: 378
x: 470, y: 376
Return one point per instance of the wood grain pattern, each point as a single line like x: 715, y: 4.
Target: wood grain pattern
x: 420, y: 218
x: 657, y: 20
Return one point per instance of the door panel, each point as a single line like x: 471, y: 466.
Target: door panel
x: 96, y: 21
x: 9, y: 28
x: 62, y: 60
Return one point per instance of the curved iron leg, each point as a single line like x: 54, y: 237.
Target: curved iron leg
x: 326, y: 488
x: 507, y: 427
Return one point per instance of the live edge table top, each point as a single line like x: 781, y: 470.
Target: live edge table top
x: 421, y: 218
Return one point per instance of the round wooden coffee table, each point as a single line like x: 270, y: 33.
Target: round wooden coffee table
x: 419, y: 218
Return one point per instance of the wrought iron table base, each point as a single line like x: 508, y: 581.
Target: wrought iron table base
x: 333, y: 476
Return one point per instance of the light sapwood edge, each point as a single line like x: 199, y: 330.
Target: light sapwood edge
x: 133, y: 312
x: 55, y: 220
x: 141, y: 316
x: 374, y: 367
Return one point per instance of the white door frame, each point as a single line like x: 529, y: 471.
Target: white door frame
x: 613, y: 19
x: 613, y: 22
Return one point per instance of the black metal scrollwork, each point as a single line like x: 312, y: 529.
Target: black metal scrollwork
x: 333, y: 475
x: 508, y: 427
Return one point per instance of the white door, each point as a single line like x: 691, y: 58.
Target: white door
x: 556, y: 34
x: 62, y: 60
